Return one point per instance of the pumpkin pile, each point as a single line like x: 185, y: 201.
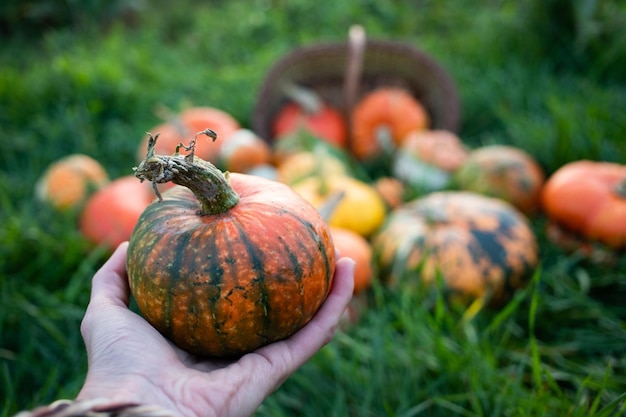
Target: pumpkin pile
x: 226, y: 219
x: 424, y: 202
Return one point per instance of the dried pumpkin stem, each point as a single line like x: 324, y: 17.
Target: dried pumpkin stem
x: 210, y: 185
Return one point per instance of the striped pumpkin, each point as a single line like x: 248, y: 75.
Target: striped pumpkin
x: 226, y: 264
x: 482, y: 247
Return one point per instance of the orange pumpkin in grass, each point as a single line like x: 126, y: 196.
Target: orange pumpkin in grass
x: 504, y: 172
x: 68, y: 181
x: 382, y: 119
x: 183, y: 126
x: 110, y: 214
x: 353, y: 245
x: 482, y: 247
x: 589, y: 198
x: 440, y: 148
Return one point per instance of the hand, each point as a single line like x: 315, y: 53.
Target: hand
x: 130, y: 362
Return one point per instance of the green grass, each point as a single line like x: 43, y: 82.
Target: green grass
x: 554, y: 87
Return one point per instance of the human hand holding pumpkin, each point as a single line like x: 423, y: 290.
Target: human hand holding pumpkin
x: 130, y: 362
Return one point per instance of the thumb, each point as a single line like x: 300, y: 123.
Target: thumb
x: 110, y: 283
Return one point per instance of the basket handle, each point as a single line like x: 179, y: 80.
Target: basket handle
x: 354, y: 67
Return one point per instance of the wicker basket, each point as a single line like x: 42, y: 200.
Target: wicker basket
x: 341, y: 73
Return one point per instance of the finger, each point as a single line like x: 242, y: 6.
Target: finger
x: 109, y: 287
x: 110, y: 283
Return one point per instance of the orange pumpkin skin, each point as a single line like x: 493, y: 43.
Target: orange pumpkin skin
x: 110, y: 214
x: 504, y: 172
x: 589, y: 198
x: 327, y: 123
x: 182, y: 128
x: 393, y: 109
x: 225, y: 284
x: 353, y: 245
x: 67, y: 182
x: 481, y: 246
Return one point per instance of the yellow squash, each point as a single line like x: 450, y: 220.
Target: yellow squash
x: 361, y: 209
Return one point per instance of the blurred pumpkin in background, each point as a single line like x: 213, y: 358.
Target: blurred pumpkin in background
x: 68, y: 182
x: 482, y: 248
x: 382, y: 119
x: 504, y: 172
x: 589, y: 198
x: 305, y: 110
x: 391, y: 189
x: 111, y: 213
x: 243, y: 150
x: 181, y: 128
x: 427, y: 159
x: 353, y: 245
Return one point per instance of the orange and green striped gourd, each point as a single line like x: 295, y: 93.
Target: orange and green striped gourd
x: 224, y: 264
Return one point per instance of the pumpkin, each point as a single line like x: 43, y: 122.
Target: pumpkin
x: 179, y: 127
x: 68, y: 182
x: 482, y: 247
x: 391, y: 189
x: 362, y: 209
x: 306, y: 111
x: 353, y: 245
x: 426, y: 159
x: 110, y: 214
x: 504, y: 172
x: 589, y: 198
x: 382, y: 119
x: 225, y: 264
x: 242, y: 151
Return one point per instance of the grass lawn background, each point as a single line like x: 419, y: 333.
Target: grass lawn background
x: 546, y: 76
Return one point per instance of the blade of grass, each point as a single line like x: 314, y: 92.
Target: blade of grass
x: 613, y: 407
x: 513, y: 305
x: 536, y: 365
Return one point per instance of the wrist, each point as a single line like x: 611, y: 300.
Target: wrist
x: 97, y: 407
x: 122, y: 390
x: 115, y: 390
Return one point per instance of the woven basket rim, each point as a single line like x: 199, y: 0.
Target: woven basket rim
x: 443, y: 89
